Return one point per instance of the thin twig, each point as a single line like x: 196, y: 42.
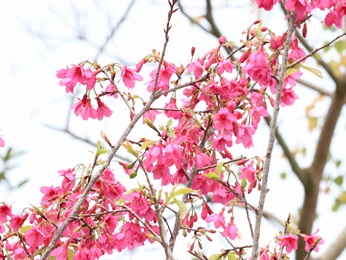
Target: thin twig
x: 273, y: 124
x: 316, y: 50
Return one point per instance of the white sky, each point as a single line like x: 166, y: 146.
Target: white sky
x: 37, y: 38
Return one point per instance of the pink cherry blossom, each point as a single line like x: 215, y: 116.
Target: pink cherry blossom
x: 17, y: 221
x: 111, y: 89
x: 336, y: 15
x: 301, y: 7
x: 34, y: 238
x: 289, y: 241
x: 224, y: 119
x: 266, y: 4
x: 196, y: 67
x: 2, y: 142
x: 84, y: 108
x: 225, y: 65
x: 311, y: 241
x: 256, y: 114
x: 150, y: 114
x: 5, y: 211
x: 76, y: 74
x: 244, y: 135
x: 248, y: 173
x: 217, y: 219
x: 129, y: 76
x: 60, y: 252
x: 102, y: 110
x: 172, y: 110
x: 230, y: 231
x: 257, y: 68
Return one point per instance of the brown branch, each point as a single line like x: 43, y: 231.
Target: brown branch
x: 210, y: 18
x: 85, y: 140
x: 320, y: 61
x: 191, y: 19
x: 310, y: 49
x: 273, y: 124
x: 114, y: 29
x: 97, y: 175
x: 315, y: 172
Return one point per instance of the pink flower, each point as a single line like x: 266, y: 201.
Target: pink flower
x: 17, y: 221
x: 301, y: 7
x: 150, y: 114
x: 224, y: 119
x: 336, y: 16
x: 230, y: 231
x: 112, y: 90
x: 289, y: 241
x: 172, y: 110
x: 165, y: 75
x: 76, y: 74
x: 5, y: 211
x: 258, y: 69
x: 196, y: 67
x: 217, y: 219
x: 256, y: 113
x: 69, y: 178
x: 288, y: 96
x: 84, y: 108
x: 248, y: 173
x: 34, y: 237
x: 129, y: 76
x: 225, y: 65
x: 222, y: 140
x: 102, y: 110
x: 244, y: 135
x: 266, y: 4
x: 2, y: 142
x: 311, y: 241
x: 60, y: 252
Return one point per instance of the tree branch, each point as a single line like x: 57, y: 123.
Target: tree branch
x: 273, y: 124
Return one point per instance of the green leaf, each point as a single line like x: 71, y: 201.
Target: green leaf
x: 312, y: 123
x: 146, y: 144
x: 169, y: 123
x: 283, y: 175
x: 219, y: 168
x: 128, y: 146
x: 182, y: 191
x: 339, y: 180
x: 213, y: 175
x: 290, y: 71
x: 70, y: 254
x: 182, y: 208
x: 317, y: 72
x: 214, y: 257
x: 23, y: 229
x: 338, y: 163
x: 22, y: 183
x: 340, y: 46
x: 232, y: 256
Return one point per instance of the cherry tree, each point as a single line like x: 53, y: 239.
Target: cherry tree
x: 209, y: 107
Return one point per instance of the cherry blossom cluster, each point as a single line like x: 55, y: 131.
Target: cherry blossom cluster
x: 210, y: 106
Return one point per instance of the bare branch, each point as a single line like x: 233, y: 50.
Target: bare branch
x: 273, y: 124
x: 312, y: 52
x: 114, y: 29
